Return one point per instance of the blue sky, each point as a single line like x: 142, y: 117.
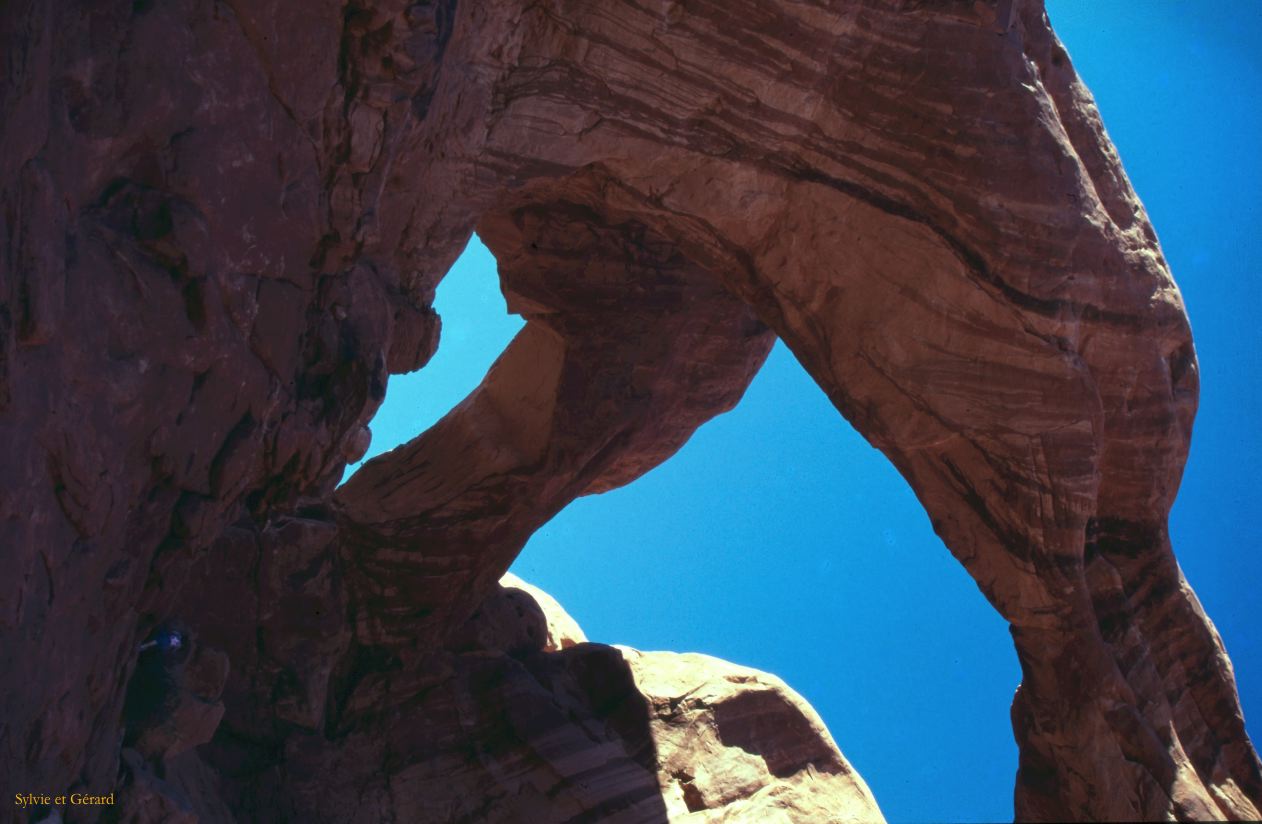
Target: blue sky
x: 777, y: 538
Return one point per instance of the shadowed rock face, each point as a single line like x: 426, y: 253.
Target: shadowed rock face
x: 516, y: 719
x: 222, y: 226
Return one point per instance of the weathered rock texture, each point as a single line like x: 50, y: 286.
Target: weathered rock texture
x: 223, y: 223
x: 518, y: 720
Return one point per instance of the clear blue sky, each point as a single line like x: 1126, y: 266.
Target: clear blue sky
x: 777, y: 538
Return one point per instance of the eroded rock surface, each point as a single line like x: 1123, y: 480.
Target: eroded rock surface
x: 520, y: 720
x: 222, y: 225
x: 767, y: 757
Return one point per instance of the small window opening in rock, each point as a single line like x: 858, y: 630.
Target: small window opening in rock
x: 476, y: 329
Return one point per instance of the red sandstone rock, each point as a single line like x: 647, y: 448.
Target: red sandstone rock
x: 506, y: 726
x: 734, y: 744
x: 563, y: 631
x: 222, y: 226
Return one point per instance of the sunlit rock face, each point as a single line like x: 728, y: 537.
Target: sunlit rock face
x: 222, y: 229
x: 519, y: 719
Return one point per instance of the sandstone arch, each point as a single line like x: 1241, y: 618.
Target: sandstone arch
x: 920, y: 200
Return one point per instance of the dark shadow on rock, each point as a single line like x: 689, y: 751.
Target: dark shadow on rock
x: 495, y: 727
x: 762, y: 723
x: 172, y: 702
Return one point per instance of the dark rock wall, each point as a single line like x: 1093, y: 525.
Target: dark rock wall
x: 192, y: 332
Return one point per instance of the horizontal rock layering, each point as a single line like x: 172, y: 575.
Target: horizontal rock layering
x: 222, y: 227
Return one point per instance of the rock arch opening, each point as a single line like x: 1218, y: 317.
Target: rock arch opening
x: 476, y: 328
x: 920, y: 201
x: 656, y: 564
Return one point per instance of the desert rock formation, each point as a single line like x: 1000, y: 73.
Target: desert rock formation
x: 515, y: 720
x: 222, y: 227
